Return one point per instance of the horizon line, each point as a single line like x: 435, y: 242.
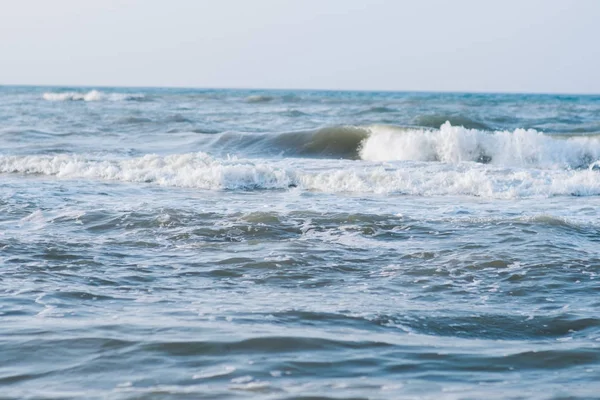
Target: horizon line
x: 298, y: 89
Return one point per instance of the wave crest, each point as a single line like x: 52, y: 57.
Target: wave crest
x: 92, y: 95
x: 332, y: 142
x: 455, y: 144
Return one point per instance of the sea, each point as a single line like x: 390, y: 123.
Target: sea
x: 291, y: 244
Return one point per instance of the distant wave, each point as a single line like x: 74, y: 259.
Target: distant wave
x: 294, y: 113
x: 133, y: 120
x: 378, y: 110
x: 202, y: 171
x: 93, y: 95
x: 259, y: 99
x: 177, y: 118
x: 435, y: 120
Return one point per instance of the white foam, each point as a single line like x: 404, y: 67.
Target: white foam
x: 455, y: 144
x: 34, y: 221
x: 427, y: 179
x: 214, y: 372
x: 199, y: 170
x: 93, y: 95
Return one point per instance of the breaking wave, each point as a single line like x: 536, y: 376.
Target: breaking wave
x: 202, y: 171
x: 93, y: 95
x: 455, y: 144
x: 197, y: 170
x: 448, y: 144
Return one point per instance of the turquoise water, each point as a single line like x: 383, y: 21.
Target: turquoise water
x: 181, y: 243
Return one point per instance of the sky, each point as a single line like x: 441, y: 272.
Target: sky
x: 548, y: 46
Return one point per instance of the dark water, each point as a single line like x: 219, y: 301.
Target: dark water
x: 186, y: 244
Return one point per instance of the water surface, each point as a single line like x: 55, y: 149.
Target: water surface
x: 179, y: 243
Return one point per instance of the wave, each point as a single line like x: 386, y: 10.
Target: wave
x: 332, y: 142
x: 133, y: 120
x: 197, y: 170
x: 294, y: 113
x: 93, y: 95
x: 448, y: 144
x: 199, y: 130
x: 178, y: 118
x: 435, y: 120
x: 202, y: 171
x: 378, y: 110
x: 259, y: 99
x: 456, y: 144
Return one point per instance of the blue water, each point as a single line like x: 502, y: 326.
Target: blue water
x: 186, y: 243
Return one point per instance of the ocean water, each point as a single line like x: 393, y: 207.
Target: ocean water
x: 225, y: 244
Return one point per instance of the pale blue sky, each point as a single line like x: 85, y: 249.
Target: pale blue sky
x: 433, y: 45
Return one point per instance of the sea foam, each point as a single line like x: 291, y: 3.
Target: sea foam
x: 93, y: 95
x: 198, y: 170
x: 202, y: 171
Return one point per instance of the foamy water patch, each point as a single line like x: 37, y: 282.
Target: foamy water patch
x: 423, y: 179
x: 198, y: 170
x: 456, y: 144
x: 92, y: 95
x: 202, y: 171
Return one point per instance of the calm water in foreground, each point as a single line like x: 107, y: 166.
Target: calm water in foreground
x: 221, y: 244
